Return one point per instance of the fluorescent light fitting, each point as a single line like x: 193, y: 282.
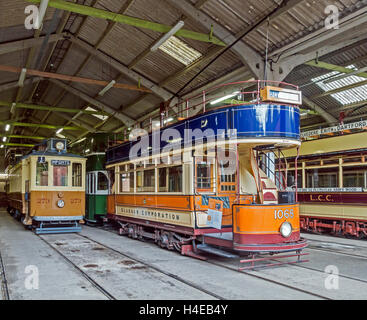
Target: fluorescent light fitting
x: 86, y: 151
x: 12, y: 109
x: 22, y: 77
x: 81, y: 140
x: 4, y: 139
x: 2, y: 146
x: 59, y: 131
x: 225, y: 98
x: 168, y: 120
x: 41, y: 14
x: 106, y: 88
x: 168, y: 35
x: 7, y: 127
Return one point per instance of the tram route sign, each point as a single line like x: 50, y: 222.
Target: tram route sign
x: 215, y: 214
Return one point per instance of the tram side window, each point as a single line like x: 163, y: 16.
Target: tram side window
x: 139, y: 181
x: 291, y: 179
x: 322, y: 178
x: 149, y: 180
x: 355, y: 177
x: 162, y: 177
x: 60, y: 176
x: 102, y: 184
x: 77, y: 174
x: 175, y: 179
x: 42, y: 174
x: 125, y: 181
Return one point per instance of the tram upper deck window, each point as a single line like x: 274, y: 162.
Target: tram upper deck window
x: 60, y: 176
x: 77, y: 174
x: 42, y: 174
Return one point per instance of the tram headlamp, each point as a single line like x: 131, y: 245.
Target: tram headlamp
x: 60, y: 203
x: 286, y: 229
x: 59, y: 146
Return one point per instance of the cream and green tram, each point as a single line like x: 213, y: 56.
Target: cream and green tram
x: 46, y: 189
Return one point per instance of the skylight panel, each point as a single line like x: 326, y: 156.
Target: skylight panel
x: 345, y: 97
x: 99, y: 116
x: 180, y: 51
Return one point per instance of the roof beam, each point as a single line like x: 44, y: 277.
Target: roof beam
x: 247, y: 55
x: 100, y: 105
x: 19, y: 45
x: 78, y: 123
x: 135, y: 22
x: 333, y: 67
x: 49, y: 108
x: 40, y: 125
x: 65, y: 77
x: 22, y: 137
x: 160, y: 92
x: 344, y: 88
x: 17, y: 144
x: 14, y: 84
x: 321, y: 111
x: 320, y: 43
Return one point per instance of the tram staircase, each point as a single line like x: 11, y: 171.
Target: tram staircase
x: 267, y: 188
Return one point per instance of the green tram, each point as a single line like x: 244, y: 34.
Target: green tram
x: 97, y: 188
x: 98, y: 183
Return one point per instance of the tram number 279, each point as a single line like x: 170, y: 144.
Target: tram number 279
x: 280, y: 214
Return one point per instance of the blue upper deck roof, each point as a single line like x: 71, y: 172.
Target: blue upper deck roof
x: 255, y: 121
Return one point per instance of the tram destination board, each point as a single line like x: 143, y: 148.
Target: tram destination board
x: 64, y: 163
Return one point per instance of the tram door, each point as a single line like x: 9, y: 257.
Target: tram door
x: 98, y: 186
x: 27, y: 198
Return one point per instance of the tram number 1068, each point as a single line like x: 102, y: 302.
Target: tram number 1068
x: 280, y: 214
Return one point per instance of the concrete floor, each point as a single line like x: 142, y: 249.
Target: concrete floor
x: 99, y: 264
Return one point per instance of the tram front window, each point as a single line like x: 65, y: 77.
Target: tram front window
x: 42, y: 174
x: 102, y: 182
x: 60, y: 176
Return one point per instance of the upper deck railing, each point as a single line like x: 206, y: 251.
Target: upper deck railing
x: 252, y: 92
x: 233, y: 89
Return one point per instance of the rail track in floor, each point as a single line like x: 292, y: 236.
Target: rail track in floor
x: 3, y: 281
x: 234, y: 269
x: 105, y: 291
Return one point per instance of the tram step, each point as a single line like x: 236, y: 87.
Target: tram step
x: 206, y: 248
x: 58, y: 230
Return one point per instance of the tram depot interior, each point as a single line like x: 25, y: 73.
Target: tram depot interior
x: 183, y: 150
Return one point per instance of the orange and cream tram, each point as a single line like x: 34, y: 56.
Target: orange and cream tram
x: 46, y: 188
x: 200, y: 185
